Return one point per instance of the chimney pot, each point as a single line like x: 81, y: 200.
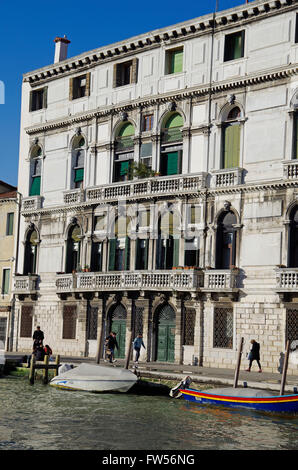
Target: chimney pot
x: 61, y: 45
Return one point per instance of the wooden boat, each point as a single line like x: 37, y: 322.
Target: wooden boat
x: 248, y: 398
x: 95, y: 378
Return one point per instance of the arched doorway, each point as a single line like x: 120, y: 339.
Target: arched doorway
x: 117, y: 323
x: 293, y: 240
x: 226, y: 241
x: 73, y: 249
x: 30, y: 257
x: 165, y: 325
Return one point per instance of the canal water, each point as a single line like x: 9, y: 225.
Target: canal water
x: 41, y: 417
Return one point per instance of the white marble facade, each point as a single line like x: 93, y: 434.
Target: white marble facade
x: 257, y: 293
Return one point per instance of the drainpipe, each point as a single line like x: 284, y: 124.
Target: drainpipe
x: 16, y: 260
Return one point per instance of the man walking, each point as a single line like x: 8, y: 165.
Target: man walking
x: 137, y: 344
x: 254, y: 355
x: 111, y: 343
x: 38, y: 336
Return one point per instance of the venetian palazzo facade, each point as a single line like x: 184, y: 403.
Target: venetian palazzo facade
x: 159, y: 181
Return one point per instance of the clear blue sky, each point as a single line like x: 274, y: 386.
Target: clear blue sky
x: 27, y: 31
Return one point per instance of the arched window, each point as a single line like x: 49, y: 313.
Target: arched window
x: 167, y: 248
x: 293, y: 239
x: 35, y: 171
x: 226, y: 241
x: 119, y: 246
x: 78, y: 159
x: 231, y: 139
x: 73, y: 250
x: 172, y: 148
x: 30, y: 257
x: 124, y: 153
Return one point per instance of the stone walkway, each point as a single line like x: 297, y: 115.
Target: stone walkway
x: 176, y: 372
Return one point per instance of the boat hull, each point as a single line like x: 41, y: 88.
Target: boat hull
x: 96, y: 386
x: 274, y: 404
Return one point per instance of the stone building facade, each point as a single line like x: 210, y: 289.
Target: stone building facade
x: 159, y: 181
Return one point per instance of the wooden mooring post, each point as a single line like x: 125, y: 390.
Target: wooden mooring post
x: 285, y: 369
x: 45, y: 366
x: 129, y: 350
x: 238, y: 363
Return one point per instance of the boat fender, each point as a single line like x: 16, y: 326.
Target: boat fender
x: 174, y: 393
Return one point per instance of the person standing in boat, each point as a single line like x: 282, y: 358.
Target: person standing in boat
x: 111, y: 344
x: 254, y: 355
x: 38, y: 336
x: 137, y: 344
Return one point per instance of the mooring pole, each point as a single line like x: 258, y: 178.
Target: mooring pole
x: 238, y: 363
x: 32, y: 369
x: 57, y: 363
x: 285, y: 368
x: 129, y: 350
x: 46, y: 369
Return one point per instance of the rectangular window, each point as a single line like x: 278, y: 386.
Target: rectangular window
x: 146, y: 154
x: 100, y: 222
x: 148, y: 122
x: 189, y: 327
x: 223, y: 328
x: 192, y: 252
x: 292, y: 325
x: 234, y: 46
x: 5, y: 281
x: 69, y: 322
x: 174, y: 61
x: 26, y: 321
x: 296, y: 29
x: 38, y: 99
x: 9, y: 223
x: 125, y: 73
x: 79, y: 86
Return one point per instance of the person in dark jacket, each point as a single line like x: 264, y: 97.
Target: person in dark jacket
x: 254, y: 355
x: 38, y: 336
x: 111, y: 343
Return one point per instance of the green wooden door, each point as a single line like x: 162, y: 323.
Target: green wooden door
x: 165, y: 334
x: 119, y: 326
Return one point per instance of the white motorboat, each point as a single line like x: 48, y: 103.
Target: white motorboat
x: 95, y: 378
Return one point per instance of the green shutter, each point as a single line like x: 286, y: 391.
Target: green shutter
x: 176, y: 120
x: 231, y: 146
x: 127, y: 254
x: 5, y: 281
x: 177, y: 61
x: 35, y: 186
x: 172, y: 163
x: 124, y: 168
x: 79, y: 175
x: 112, y: 254
x: 176, y: 252
x: 10, y: 219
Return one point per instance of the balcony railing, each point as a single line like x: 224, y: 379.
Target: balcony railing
x: 290, y: 169
x: 32, y: 203
x: 220, y: 279
x: 226, y: 177
x: 148, y: 187
x: 73, y: 196
x: 287, y: 279
x: 180, y: 280
x: 25, y: 285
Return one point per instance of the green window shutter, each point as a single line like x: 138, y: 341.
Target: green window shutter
x: 176, y: 252
x: 172, y: 163
x: 175, y: 120
x: 112, y: 254
x: 5, y: 281
x: 9, y: 227
x: 79, y: 175
x: 127, y: 253
x: 124, y: 168
x: 231, y: 146
x: 35, y: 186
x: 177, y: 61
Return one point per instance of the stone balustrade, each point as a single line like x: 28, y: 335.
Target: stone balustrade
x: 176, y: 279
x: 290, y: 169
x: 25, y: 285
x: 287, y: 279
x: 32, y: 203
x: 226, y: 177
x: 73, y: 196
x: 220, y: 279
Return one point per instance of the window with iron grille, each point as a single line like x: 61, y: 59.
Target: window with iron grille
x: 69, y: 322
x: 138, y: 323
x: 26, y: 321
x: 292, y: 325
x: 92, y: 317
x: 189, y: 327
x: 223, y: 328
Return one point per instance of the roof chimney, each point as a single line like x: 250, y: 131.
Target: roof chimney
x: 61, y: 48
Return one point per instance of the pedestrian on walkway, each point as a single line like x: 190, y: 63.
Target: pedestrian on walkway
x: 254, y: 355
x: 137, y: 344
x: 38, y: 336
x: 111, y: 343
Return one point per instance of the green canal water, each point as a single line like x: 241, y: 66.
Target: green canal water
x: 41, y: 417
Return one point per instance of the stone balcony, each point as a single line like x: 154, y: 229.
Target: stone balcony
x: 26, y: 285
x: 145, y: 188
x: 226, y: 177
x: 32, y: 203
x: 290, y: 169
x: 287, y: 280
x: 221, y: 280
x: 166, y: 280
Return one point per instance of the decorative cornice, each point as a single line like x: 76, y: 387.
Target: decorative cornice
x: 205, y: 90
x: 167, y: 36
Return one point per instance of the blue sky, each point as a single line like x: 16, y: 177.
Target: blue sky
x: 27, y: 31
